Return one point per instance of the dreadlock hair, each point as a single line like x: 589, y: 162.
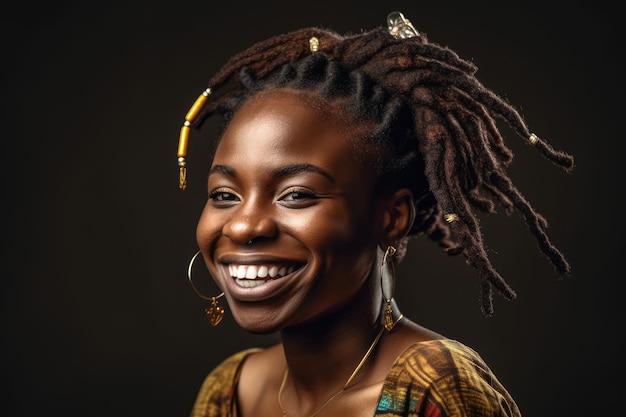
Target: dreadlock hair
x: 433, y: 127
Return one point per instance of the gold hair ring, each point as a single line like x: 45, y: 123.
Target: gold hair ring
x: 314, y: 44
x: 533, y: 139
x: 451, y: 217
x: 183, y: 140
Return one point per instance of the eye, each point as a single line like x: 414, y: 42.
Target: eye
x: 222, y: 196
x: 297, y: 197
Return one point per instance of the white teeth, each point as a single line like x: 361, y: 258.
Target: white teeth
x: 247, y: 283
x: 252, y: 272
x: 241, y: 272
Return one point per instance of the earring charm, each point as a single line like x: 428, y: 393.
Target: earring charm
x: 215, y: 313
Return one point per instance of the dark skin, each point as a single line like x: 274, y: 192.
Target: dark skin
x: 286, y: 190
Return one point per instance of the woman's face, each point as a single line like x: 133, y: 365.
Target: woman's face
x: 289, y: 229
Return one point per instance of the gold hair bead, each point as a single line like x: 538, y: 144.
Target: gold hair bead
x: 314, y: 44
x: 452, y: 217
x: 182, y: 173
x: 197, y: 105
x: 533, y: 139
x: 183, y: 139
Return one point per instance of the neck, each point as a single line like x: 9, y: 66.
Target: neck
x: 321, y: 355
x: 307, y: 398
x: 345, y: 386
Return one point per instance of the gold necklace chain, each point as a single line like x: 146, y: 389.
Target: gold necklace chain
x: 345, y: 386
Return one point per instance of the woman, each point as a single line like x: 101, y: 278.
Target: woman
x: 335, y: 151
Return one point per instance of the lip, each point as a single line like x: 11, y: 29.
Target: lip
x: 271, y: 286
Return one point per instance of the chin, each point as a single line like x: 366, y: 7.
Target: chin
x: 257, y: 323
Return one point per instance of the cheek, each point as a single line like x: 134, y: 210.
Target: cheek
x: 208, y: 229
x: 332, y: 229
x: 345, y: 248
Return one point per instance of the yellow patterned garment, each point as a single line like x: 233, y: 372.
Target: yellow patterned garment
x: 437, y: 378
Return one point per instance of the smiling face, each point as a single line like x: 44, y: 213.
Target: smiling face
x: 285, y: 178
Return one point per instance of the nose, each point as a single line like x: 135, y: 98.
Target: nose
x: 249, y: 224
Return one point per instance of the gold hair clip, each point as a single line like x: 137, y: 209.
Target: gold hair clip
x: 400, y: 27
x: 452, y: 217
x: 533, y: 139
x: 183, y: 140
x: 314, y: 44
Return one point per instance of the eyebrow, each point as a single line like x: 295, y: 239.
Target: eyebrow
x: 297, y: 168
x: 222, y: 169
x: 283, y: 171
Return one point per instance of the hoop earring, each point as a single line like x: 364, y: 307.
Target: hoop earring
x: 215, y: 312
x: 387, y: 265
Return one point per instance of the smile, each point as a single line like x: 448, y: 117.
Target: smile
x: 255, y: 275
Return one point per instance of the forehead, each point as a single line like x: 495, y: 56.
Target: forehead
x: 282, y: 126
x: 305, y: 107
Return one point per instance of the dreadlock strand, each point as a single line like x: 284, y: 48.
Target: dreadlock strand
x: 434, y: 176
x: 476, y: 129
x: 514, y: 119
x: 502, y: 109
x: 496, y: 141
x: 385, y: 49
x: 472, y: 155
x: 290, y: 46
x: 536, y: 224
x: 503, y: 186
x: 468, y: 229
x: 477, y: 257
x: 356, y: 50
x: 559, y: 158
x: 507, y: 197
x: 486, y: 297
x: 498, y: 107
x: 456, y: 201
x: 431, y: 217
x: 440, y: 173
x: 470, y: 170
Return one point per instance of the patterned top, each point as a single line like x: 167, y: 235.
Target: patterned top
x: 437, y: 378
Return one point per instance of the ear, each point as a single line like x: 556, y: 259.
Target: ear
x: 398, y: 217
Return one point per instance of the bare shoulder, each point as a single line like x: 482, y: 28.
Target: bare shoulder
x: 260, y: 376
x: 406, y: 334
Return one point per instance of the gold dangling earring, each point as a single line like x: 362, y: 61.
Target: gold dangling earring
x: 387, y: 264
x: 215, y: 312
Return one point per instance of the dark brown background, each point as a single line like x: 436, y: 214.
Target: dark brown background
x: 97, y: 316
